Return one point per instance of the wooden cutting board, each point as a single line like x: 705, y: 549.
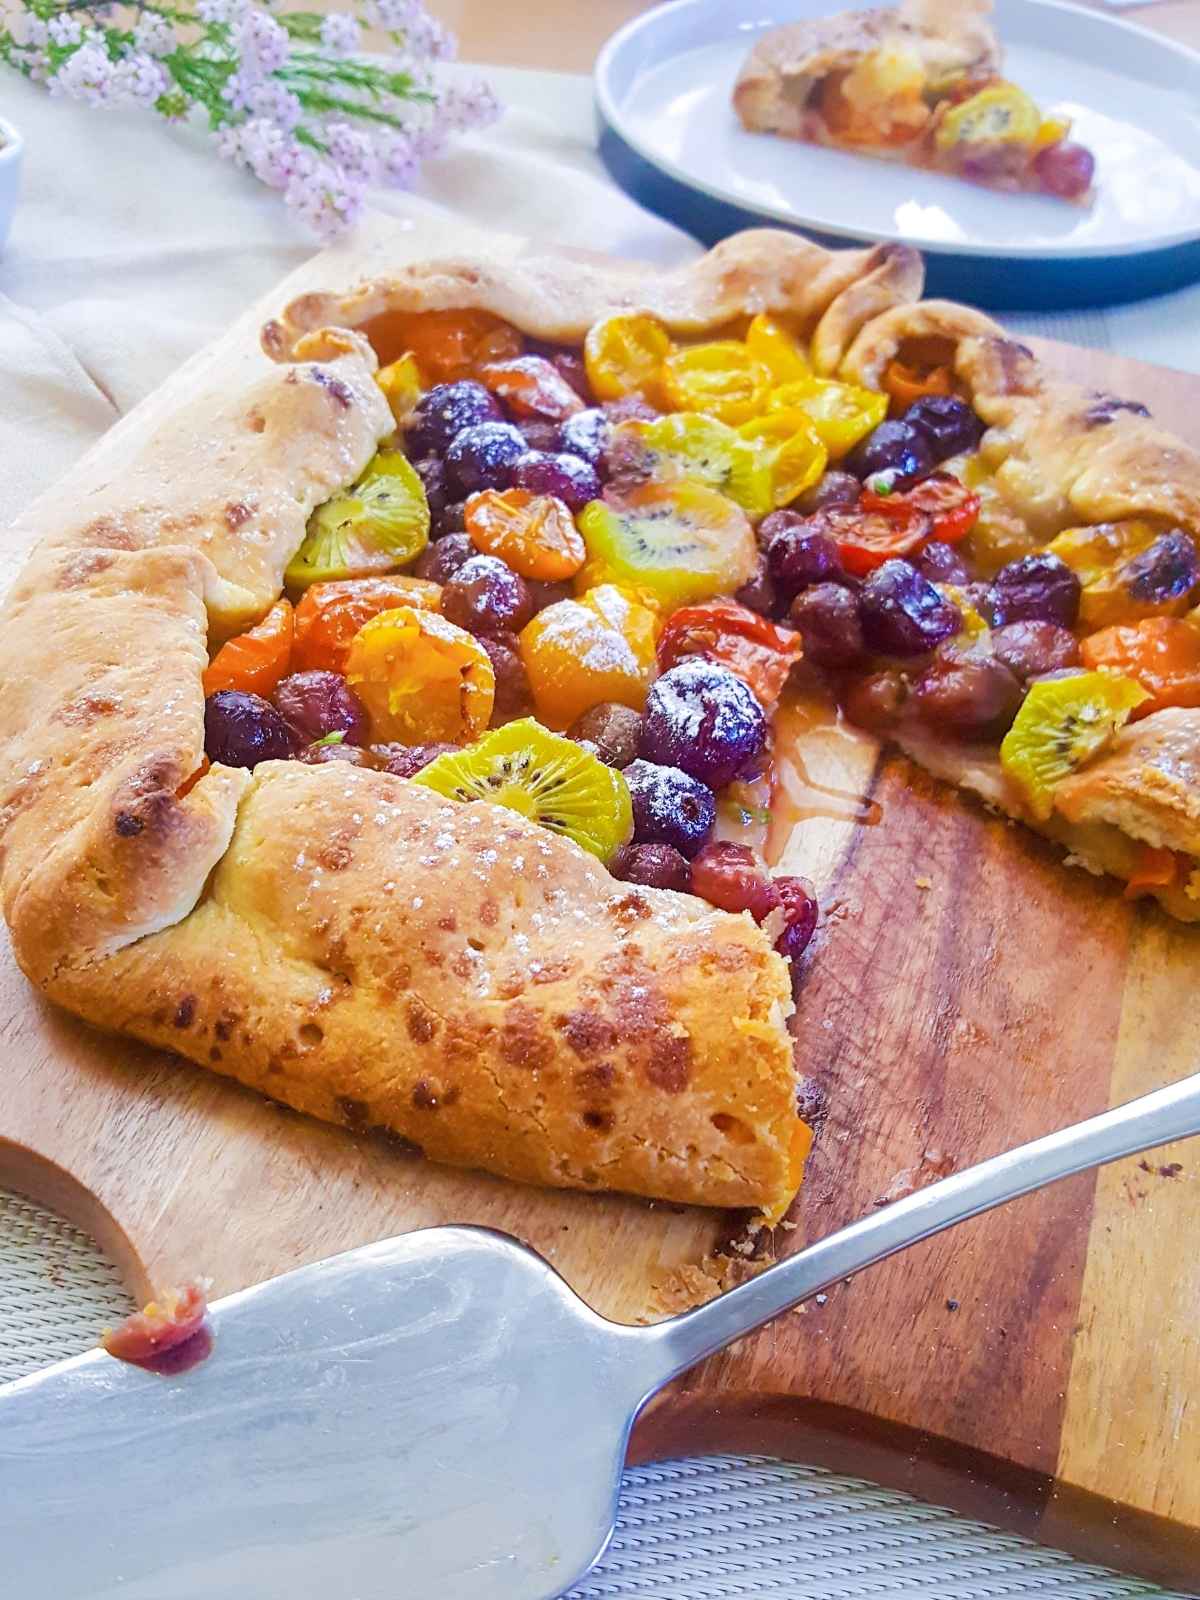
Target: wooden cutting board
x: 1039, y: 1367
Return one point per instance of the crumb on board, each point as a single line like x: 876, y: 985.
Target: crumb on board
x: 923, y: 882
x: 933, y: 1164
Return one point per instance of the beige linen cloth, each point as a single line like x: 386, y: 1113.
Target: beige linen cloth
x: 132, y: 246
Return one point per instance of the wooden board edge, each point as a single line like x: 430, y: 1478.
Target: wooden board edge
x: 969, y: 1482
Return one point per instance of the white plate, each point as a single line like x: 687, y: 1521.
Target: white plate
x: 663, y: 88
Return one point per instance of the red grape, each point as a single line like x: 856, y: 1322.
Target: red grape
x: 1065, y: 169
x: 728, y: 875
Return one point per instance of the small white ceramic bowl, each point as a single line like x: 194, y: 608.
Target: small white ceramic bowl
x: 12, y: 151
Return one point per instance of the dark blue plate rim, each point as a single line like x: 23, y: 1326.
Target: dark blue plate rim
x: 1036, y: 283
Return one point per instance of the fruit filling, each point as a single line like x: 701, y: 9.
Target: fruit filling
x: 577, y: 584
x: 986, y: 130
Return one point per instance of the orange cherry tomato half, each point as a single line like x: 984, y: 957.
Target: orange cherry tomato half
x: 949, y: 504
x: 532, y: 387
x: 534, y: 533
x: 866, y: 539
x: 1155, y: 869
x: 904, y: 384
x: 447, y: 345
x: 1161, y: 653
x: 761, y: 653
x: 330, y: 614
x: 254, y: 661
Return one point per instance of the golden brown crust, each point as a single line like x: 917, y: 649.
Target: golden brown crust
x: 251, y: 922
x: 268, y: 925
x: 1062, y: 456
x: 776, y: 80
x: 375, y: 955
x: 560, y: 297
x: 232, y: 471
x: 1147, y: 783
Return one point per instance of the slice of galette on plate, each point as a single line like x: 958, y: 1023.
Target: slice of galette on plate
x: 922, y: 84
x: 388, y: 704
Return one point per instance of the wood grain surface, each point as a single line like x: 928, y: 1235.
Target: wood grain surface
x: 1038, y: 1366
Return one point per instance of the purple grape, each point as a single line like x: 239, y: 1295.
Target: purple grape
x: 612, y: 730
x: 543, y: 592
x: 971, y: 696
x: 628, y: 462
x: 876, y: 701
x: 539, y: 434
x: 439, y: 562
x: 799, y: 916
x: 941, y: 563
x: 485, y: 595
x: 949, y: 424
x: 630, y: 408
x: 324, y: 755
x: 759, y: 594
x: 573, y: 480
x: 483, y: 457
x: 317, y: 703
x: 585, y: 435
x: 1167, y: 571
x: 776, y: 522
x: 513, y: 696
x: 1036, y: 588
x: 406, y: 760
x: 800, y: 556
x: 652, y: 866
x: 1065, y: 169
x: 242, y: 729
x: 833, y: 489
x: 450, y: 519
x: 705, y: 720
x: 902, y: 614
x: 894, y: 447
x: 433, y: 476
x: 826, y: 618
x: 444, y: 411
x: 1029, y: 649
x: 568, y: 363
x: 669, y: 807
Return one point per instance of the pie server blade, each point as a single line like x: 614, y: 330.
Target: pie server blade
x: 436, y: 1417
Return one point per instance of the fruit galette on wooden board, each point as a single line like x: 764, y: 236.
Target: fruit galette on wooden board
x: 387, y: 710
x: 920, y: 83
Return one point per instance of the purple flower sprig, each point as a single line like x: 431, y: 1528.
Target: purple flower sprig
x: 286, y: 94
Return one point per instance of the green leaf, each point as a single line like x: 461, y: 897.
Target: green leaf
x: 330, y: 738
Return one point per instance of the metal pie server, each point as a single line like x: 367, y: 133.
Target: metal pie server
x: 437, y: 1417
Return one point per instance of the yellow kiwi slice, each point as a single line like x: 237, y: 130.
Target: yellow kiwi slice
x: 1063, y: 723
x: 379, y: 524
x: 551, y: 780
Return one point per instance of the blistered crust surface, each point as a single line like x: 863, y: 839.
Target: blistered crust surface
x: 349, y: 943
x: 786, y: 63
x: 377, y: 956
x: 560, y: 297
x: 232, y: 472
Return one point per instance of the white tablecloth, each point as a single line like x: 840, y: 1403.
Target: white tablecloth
x: 132, y: 246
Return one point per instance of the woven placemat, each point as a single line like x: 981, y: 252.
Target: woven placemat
x: 716, y: 1529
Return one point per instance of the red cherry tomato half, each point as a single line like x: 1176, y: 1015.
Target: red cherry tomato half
x: 168, y: 1321
x: 950, y: 504
x: 761, y: 653
x: 866, y: 538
